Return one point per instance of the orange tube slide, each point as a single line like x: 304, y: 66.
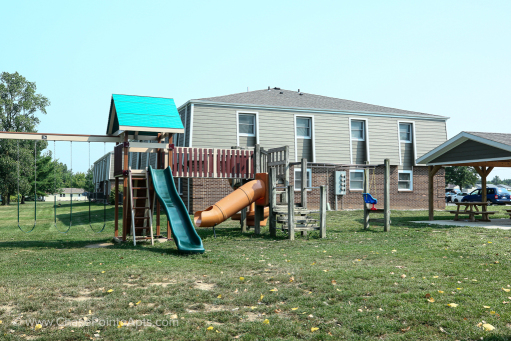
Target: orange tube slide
x: 231, y: 204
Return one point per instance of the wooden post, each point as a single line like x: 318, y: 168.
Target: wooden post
x: 304, y: 183
x: 257, y: 158
x: 125, y: 205
x: 322, y: 212
x: 273, y: 200
x: 243, y: 219
x: 116, y: 200
x: 158, y: 166
x: 366, y: 190
x: 386, y: 195
x: 258, y: 217
x: 432, y: 170
x: 291, y: 211
x: 286, y: 173
x: 168, y: 163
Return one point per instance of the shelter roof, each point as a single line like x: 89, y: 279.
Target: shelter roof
x: 471, y: 149
x: 143, y: 115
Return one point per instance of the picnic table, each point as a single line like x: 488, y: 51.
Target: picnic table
x: 472, y: 209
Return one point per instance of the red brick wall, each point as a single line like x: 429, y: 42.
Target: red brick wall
x: 205, y: 192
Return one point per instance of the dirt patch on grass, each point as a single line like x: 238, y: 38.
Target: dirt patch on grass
x: 97, y: 246
x: 162, y: 284
x: 83, y: 295
x: 6, y: 309
x: 212, y: 323
x: 204, y: 286
x: 250, y: 316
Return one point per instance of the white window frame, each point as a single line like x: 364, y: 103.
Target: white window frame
x: 414, y: 141
x: 411, y: 180
x: 366, y: 136
x: 411, y: 132
x: 313, y: 137
x: 363, y: 179
x: 310, y: 128
x: 363, y: 130
x: 256, y: 126
x: 309, y: 179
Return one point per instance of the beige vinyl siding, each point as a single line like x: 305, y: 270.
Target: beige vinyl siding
x: 111, y: 166
x: 359, y: 152
x: 383, y: 139
x: 188, y: 124
x: 179, y: 138
x: 407, y: 156
x: 332, y: 138
x: 247, y: 141
x: 304, y: 149
x: 277, y: 129
x: 429, y: 135
x: 214, y: 127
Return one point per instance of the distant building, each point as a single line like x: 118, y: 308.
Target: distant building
x: 78, y: 194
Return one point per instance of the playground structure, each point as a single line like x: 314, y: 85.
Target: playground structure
x: 267, y: 192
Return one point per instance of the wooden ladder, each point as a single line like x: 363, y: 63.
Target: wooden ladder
x: 141, y: 216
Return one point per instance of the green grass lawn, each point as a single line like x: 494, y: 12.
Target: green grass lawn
x: 353, y: 285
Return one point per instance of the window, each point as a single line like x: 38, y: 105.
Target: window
x: 303, y: 127
x: 298, y: 179
x: 357, y: 130
x: 405, y: 132
x: 357, y: 180
x: 246, y: 124
x: 405, y: 180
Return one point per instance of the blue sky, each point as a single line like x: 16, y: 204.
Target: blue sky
x: 441, y: 57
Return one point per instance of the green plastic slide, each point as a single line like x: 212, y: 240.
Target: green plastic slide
x: 186, y: 238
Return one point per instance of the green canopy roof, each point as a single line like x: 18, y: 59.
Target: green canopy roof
x: 145, y: 115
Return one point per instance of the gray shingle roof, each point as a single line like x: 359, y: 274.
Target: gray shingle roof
x: 495, y: 137
x: 293, y: 99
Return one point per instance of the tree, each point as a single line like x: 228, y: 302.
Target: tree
x: 19, y: 105
x: 89, y: 185
x: 49, y: 180
x: 461, y: 176
x: 79, y: 180
x: 496, y: 180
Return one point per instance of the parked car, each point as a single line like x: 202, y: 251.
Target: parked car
x: 450, y: 194
x: 494, y: 195
x: 459, y: 196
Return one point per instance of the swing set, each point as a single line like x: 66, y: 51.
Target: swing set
x: 44, y: 137
x: 368, y: 198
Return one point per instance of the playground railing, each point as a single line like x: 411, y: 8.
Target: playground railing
x: 212, y: 163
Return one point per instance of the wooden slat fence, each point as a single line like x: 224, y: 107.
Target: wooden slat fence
x: 212, y: 163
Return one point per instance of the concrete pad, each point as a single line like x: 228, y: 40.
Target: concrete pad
x: 503, y: 224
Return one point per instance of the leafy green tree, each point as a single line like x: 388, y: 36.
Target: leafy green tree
x: 496, y: 180
x: 49, y: 180
x: 89, y: 185
x: 79, y: 180
x: 19, y: 104
x: 461, y: 176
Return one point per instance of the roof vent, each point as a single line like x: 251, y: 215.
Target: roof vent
x: 301, y: 93
x: 281, y: 92
x: 276, y: 88
x: 268, y: 87
x: 298, y: 90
